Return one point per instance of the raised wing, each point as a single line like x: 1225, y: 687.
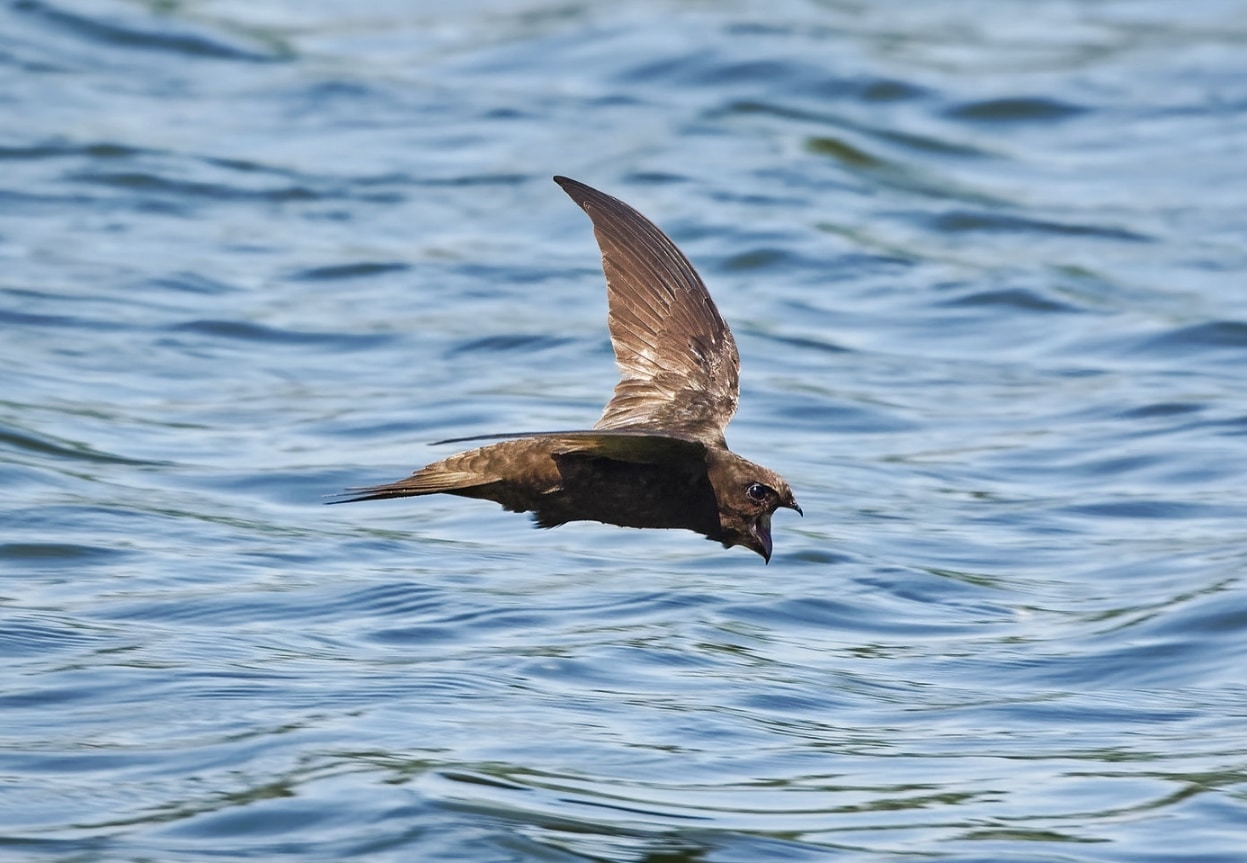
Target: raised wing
x: 679, y: 369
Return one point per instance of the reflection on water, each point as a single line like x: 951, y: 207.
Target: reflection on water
x: 979, y: 268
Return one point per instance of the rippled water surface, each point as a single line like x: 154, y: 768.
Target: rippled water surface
x: 985, y: 264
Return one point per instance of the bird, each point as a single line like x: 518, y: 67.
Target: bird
x: 657, y: 457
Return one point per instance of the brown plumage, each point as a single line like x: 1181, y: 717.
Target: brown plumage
x: 657, y: 457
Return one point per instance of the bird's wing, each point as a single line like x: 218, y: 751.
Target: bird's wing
x: 679, y: 369
x: 525, y: 459
x: 629, y: 445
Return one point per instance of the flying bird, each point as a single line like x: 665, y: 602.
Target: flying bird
x: 657, y: 458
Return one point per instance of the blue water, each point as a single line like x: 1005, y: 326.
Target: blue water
x: 985, y: 265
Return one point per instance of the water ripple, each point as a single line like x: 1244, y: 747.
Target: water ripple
x: 1015, y: 110
x: 252, y: 332
x: 151, y: 34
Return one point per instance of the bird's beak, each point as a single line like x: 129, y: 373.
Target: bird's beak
x: 792, y: 504
x: 761, y: 530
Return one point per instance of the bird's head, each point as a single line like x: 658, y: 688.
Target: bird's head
x: 747, y: 494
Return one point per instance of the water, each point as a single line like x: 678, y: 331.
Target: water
x: 984, y: 262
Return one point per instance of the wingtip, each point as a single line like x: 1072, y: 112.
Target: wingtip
x: 574, y: 188
x: 350, y: 495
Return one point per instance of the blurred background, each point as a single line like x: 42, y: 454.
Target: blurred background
x: 985, y: 266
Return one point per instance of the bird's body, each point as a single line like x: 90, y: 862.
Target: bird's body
x: 559, y: 481
x: 657, y: 458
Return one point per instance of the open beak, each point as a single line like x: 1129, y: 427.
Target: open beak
x: 761, y: 529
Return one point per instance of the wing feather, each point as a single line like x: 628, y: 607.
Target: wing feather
x: 679, y: 368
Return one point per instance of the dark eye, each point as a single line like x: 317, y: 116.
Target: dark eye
x: 757, y: 492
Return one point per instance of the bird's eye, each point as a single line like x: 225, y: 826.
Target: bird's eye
x: 757, y: 492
